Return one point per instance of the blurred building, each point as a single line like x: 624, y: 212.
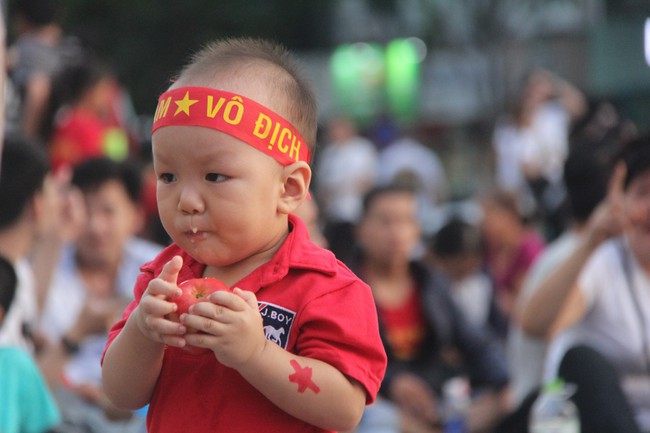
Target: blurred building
x: 478, y: 53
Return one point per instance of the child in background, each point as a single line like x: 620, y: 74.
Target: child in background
x: 84, y: 126
x: 512, y: 246
x: 26, y: 402
x: 457, y: 249
x: 295, y: 346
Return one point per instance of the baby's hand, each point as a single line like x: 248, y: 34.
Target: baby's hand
x: 154, y: 307
x: 230, y: 325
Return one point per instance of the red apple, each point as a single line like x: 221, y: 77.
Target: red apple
x: 194, y: 290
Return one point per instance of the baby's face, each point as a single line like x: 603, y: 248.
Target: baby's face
x: 217, y: 196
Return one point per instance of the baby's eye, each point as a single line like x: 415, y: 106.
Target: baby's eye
x: 215, y: 177
x: 167, y: 177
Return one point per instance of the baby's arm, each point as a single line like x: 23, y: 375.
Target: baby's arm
x: 133, y: 361
x: 308, y: 389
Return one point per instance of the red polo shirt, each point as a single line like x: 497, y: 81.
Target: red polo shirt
x: 311, y: 304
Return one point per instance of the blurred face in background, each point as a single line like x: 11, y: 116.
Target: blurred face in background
x: 501, y: 222
x: 50, y: 204
x: 111, y: 219
x: 390, y: 230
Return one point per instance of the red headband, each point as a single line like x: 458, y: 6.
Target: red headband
x: 235, y: 115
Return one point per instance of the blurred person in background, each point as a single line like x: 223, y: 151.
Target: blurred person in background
x: 32, y: 208
x: 531, y: 144
x: 511, y: 246
x: 26, y: 402
x: 586, y: 172
x: 597, y: 323
x: 409, y: 162
x: 457, y: 249
x: 345, y: 170
x: 39, y: 52
x: 595, y: 140
x: 427, y: 338
x: 81, y: 121
x: 91, y: 286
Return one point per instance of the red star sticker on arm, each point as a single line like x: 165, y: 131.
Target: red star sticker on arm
x: 302, y: 377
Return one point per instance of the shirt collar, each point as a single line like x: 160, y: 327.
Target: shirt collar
x: 297, y: 252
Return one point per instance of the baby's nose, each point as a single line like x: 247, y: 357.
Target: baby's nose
x: 191, y: 201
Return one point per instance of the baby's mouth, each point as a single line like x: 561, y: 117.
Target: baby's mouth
x: 195, y: 235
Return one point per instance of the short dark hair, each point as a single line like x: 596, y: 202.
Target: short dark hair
x: 92, y: 174
x: 636, y: 156
x: 595, y: 140
x: 22, y: 174
x: 587, y: 170
x: 38, y: 12
x: 456, y: 238
x: 8, y: 284
x: 379, y: 191
x: 73, y: 81
x: 282, y: 72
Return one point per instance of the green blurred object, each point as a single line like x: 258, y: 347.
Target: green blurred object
x: 116, y: 144
x: 358, y: 80
x: 368, y: 80
x: 403, y: 85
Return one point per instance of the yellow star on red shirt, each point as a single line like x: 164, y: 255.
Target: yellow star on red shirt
x: 185, y: 104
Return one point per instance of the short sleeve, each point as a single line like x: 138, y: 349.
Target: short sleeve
x: 601, y: 267
x: 341, y: 329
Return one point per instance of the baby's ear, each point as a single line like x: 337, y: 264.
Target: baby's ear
x: 296, y: 179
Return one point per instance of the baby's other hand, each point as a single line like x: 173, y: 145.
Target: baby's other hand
x: 230, y: 325
x: 151, y: 314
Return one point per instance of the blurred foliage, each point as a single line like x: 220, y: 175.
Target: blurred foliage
x: 147, y: 41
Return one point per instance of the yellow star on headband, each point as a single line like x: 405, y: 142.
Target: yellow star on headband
x: 185, y: 104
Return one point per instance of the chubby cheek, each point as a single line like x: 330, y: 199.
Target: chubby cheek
x: 247, y: 232
x: 167, y: 218
x: 230, y: 238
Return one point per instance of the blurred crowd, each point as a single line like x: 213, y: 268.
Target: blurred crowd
x: 543, y: 272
